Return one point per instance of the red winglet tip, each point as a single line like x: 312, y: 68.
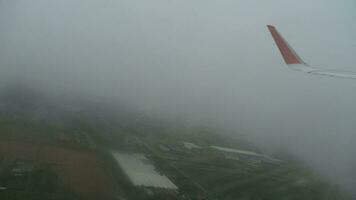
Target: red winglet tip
x: 288, y: 54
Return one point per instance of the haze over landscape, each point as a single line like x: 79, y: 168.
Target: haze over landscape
x: 204, y: 63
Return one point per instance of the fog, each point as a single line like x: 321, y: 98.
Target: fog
x: 205, y: 62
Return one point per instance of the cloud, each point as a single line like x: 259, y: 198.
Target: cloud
x: 200, y: 60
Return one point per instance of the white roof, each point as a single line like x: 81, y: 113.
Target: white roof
x: 190, y: 145
x: 250, y: 153
x: 141, y: 172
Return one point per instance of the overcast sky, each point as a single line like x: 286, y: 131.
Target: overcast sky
x: 203, y: 60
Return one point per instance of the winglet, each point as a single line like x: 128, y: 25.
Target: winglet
x: 289, y: 55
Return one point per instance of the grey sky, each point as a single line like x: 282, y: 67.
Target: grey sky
x: 204, y: 60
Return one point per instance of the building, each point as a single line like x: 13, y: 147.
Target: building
x: 237, y: 154
x: 142, y: 174
x: 191, y: 146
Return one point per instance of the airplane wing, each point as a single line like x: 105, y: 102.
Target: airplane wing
x: 294, y: 62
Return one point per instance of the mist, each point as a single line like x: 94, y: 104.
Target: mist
x: 203, y: 62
